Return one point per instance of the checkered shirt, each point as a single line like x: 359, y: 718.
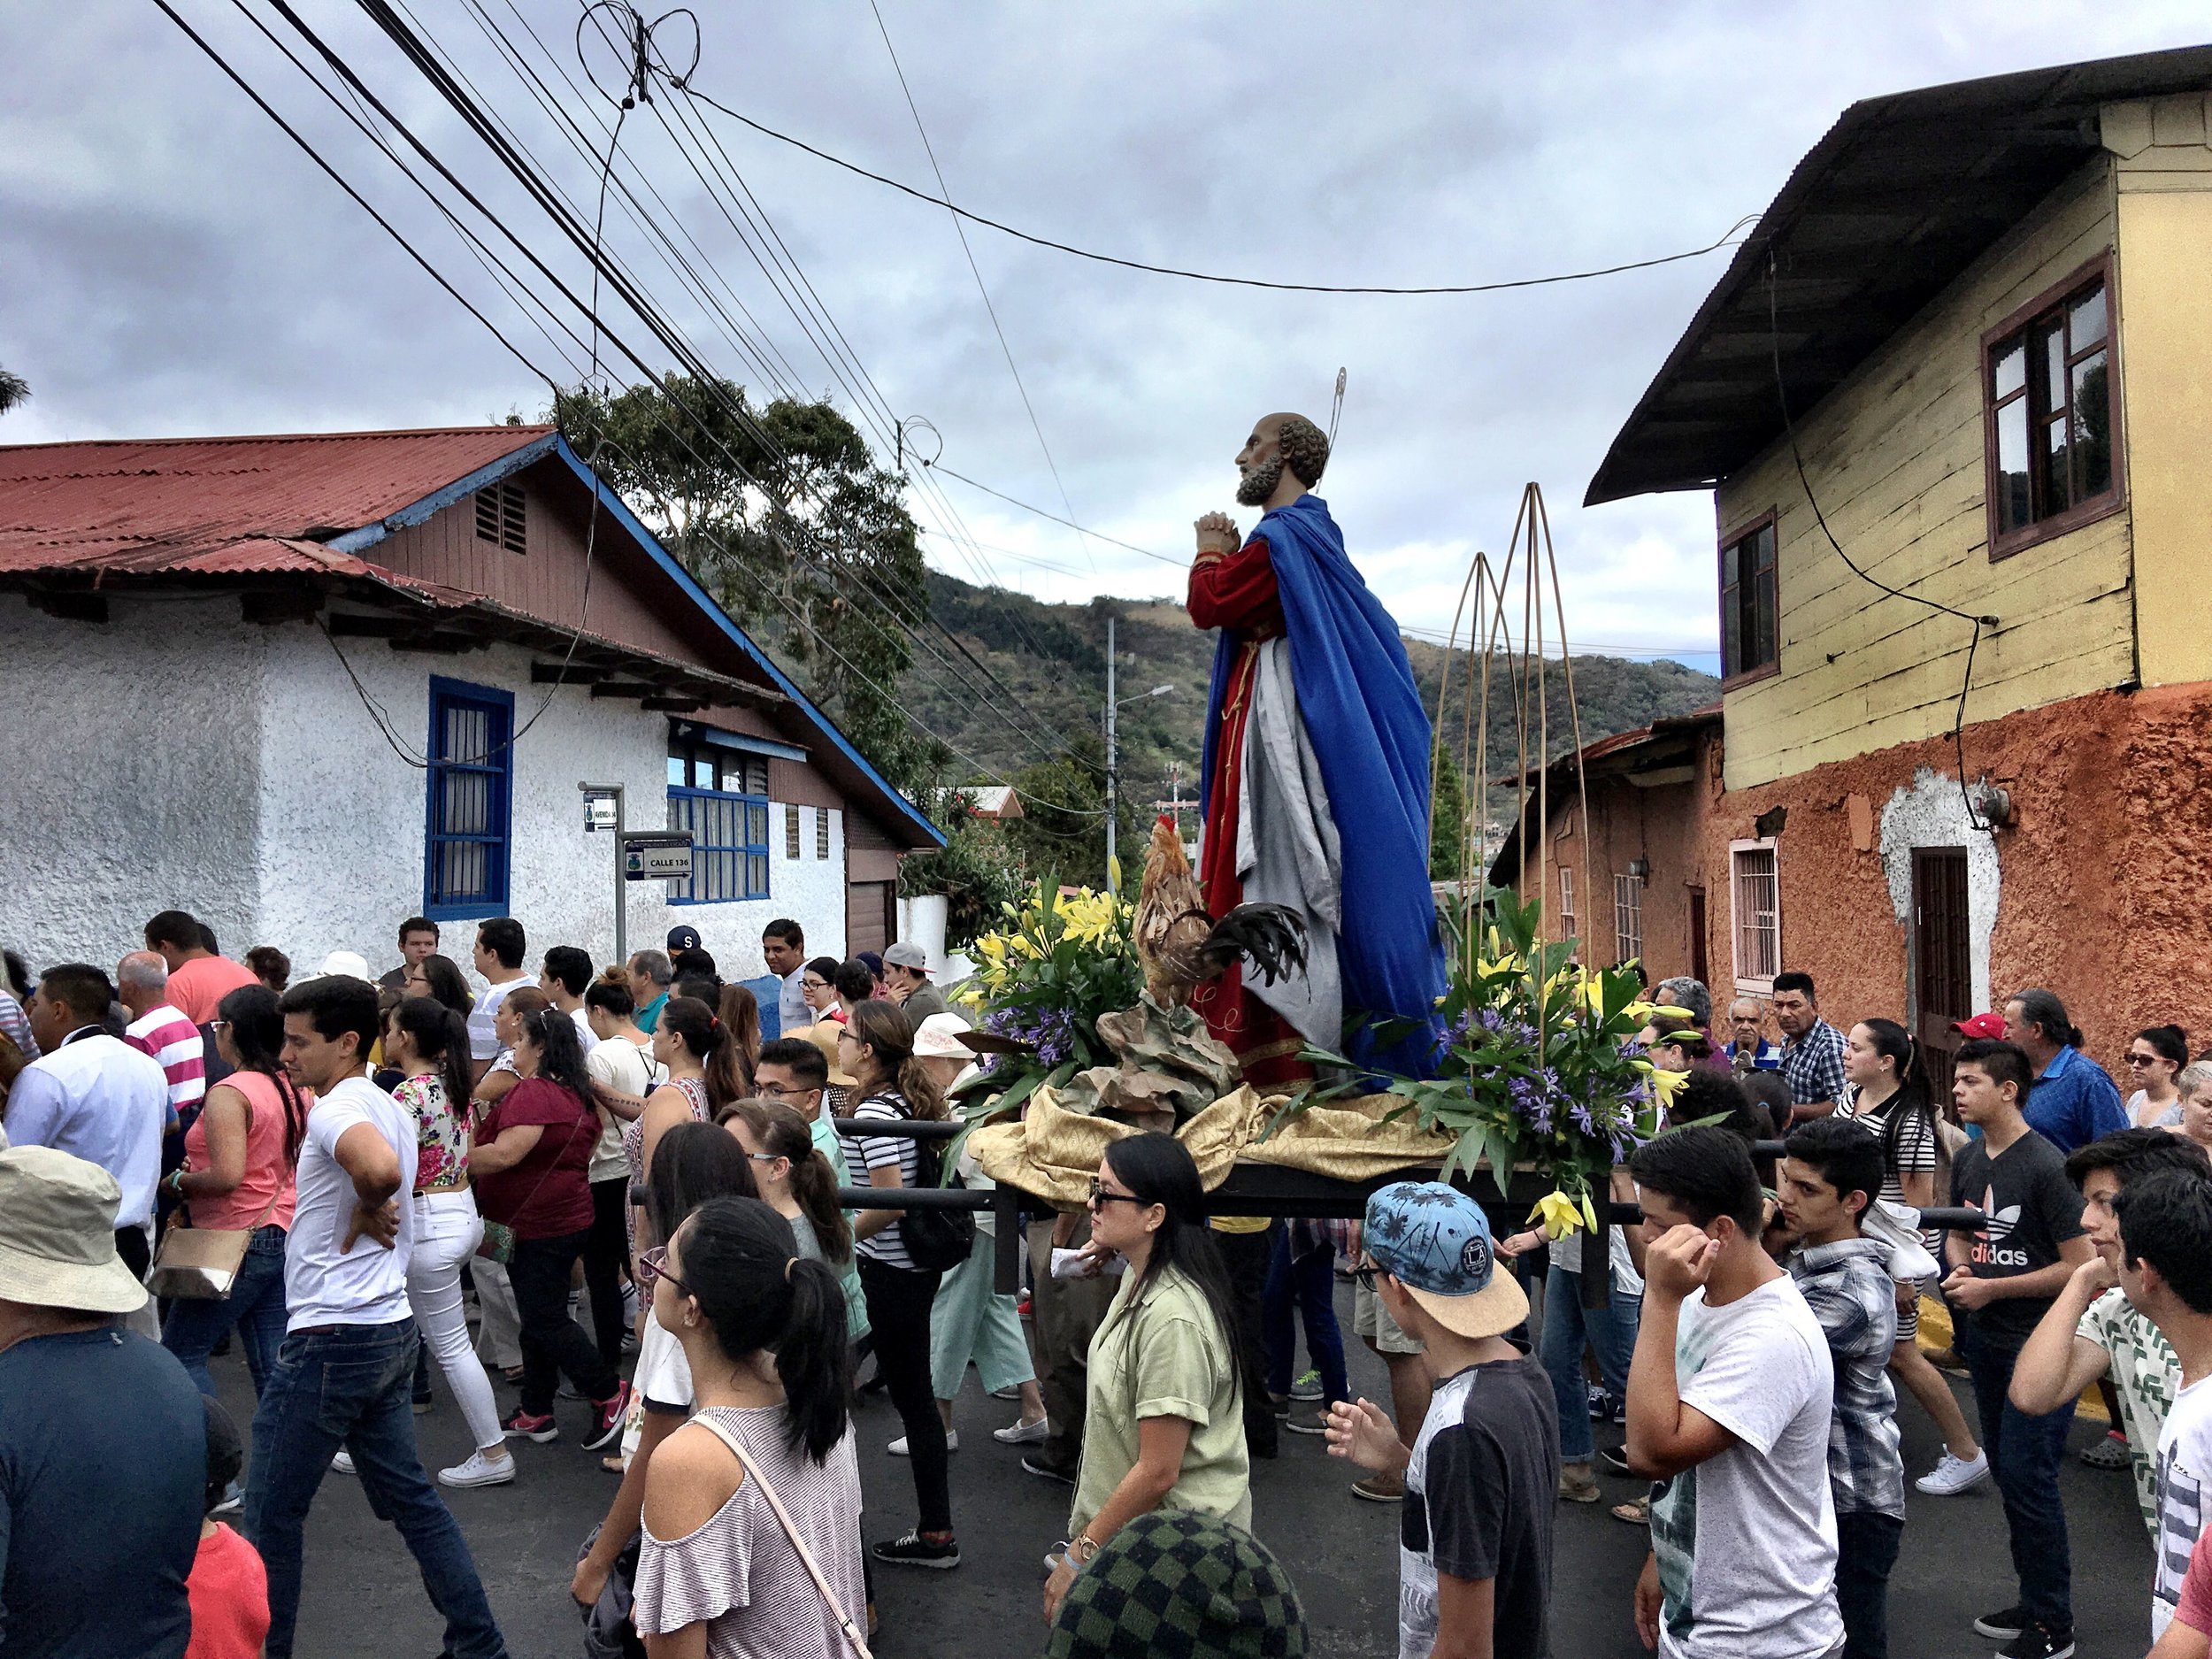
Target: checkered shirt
x: 1847, y: 1286
x: 1179, y: 1585
x: 1812, y: 1065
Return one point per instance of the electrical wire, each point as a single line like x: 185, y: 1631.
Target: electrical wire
x: 939, y: 466
x: 1958, y: 720
x: 1726, y: 240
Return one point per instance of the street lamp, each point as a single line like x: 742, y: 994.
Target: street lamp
x: 1113, y: 775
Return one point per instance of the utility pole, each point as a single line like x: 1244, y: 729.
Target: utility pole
x: 1113, y: 780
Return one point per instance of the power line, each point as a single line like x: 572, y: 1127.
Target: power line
x: 939, y: 466
x: 767, y: 131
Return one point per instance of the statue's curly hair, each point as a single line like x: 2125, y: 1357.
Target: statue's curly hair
x: 1305, y: 449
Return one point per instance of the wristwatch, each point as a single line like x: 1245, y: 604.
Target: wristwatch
x: 1082, y: 1549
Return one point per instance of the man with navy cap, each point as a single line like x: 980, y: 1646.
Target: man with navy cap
x: 1474, y: 1554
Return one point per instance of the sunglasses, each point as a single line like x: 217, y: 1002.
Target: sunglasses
x: 1364, y: 1275
x: 1102, y: 1196
x: 653, y: 1263
x: 2145, y: 1059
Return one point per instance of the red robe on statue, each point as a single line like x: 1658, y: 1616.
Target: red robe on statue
x: 1236, y: 591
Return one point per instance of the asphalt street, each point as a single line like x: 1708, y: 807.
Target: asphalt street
x: 364, y: 1598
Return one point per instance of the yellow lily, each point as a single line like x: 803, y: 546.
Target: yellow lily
x: 1664, y: 1084
x: 1560, y: 1215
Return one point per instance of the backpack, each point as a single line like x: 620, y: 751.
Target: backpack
x: 936, y: 1241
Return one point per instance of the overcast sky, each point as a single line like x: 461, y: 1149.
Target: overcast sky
x: 170, y: 263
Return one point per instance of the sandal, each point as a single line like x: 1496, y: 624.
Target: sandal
x: 1637, y: 1513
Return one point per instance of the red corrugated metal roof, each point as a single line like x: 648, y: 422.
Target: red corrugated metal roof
x: 224, y: 505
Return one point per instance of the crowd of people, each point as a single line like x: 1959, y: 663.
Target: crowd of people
x: 622, y: 1185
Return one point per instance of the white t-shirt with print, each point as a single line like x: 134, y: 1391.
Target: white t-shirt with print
x: 621, y: 1065
x: 323, y: 1284
x: 2184, y: 1478
x: 1746, y: 1540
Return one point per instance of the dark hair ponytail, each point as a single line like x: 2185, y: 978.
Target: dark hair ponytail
x: 758, y: 1293
x: 560, y: 1050
x: 783, y: 1133
x: 440, y: 1036
x: 2169, y: 1043
x: 886, y: 1028
x: 1893, y: 1041
x: 254, y: 1017
x: 708, y: 1040
x: 693, y: 1163
x: 1157, y: 1169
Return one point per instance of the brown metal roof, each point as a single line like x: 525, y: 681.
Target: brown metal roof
x: 1901, y: 195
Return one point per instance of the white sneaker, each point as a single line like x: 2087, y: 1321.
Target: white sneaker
x: 1023, y: 1433
x: 343, y: 1463
x: 1953, y: 1475
x: 479, y: 1470
x: 952, y: 1443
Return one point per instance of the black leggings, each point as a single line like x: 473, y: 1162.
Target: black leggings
x: 551, y: 1342
x: 898, y: 1301
x: 604, y: 1256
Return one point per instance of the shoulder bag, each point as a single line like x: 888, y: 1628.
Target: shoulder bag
x: 202, y: 1264
x: 498, y: 1242
x: 783, y: 1519
x: 936, y: 1241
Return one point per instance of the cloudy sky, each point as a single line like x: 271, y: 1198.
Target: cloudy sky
x: 170, y: 263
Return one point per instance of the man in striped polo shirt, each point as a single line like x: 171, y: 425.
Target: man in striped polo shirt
x: 157, y: 1028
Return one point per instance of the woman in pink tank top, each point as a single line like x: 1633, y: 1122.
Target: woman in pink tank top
x: 239, y: 1155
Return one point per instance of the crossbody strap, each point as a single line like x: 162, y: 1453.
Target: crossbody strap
x: 729, y: 1438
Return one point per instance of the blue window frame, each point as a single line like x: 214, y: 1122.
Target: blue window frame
x: 721, y: 796
x: 470, y: 798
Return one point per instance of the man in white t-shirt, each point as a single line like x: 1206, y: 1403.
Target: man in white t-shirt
x: 499, y: 948
x: 1729, y: 1400
x: 2166, y: 1269
x: 344, y: 1377
x: 564, y: 978
x: 783, y: 947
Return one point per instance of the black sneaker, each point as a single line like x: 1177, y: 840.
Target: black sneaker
x: 1037, y: 1466
x: 914, y: 1550
x: 1614, y: 1461
x: 1307, y: 1423
x: 2040, y: 1641
x: 1280, y: 1404
x: 2005, y: 1625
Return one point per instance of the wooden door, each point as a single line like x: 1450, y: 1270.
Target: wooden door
x: 1943, y: 961
x: 870, y: 916
x: 1699, y: 970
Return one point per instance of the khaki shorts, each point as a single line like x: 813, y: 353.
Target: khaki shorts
x: 1372, y: 1320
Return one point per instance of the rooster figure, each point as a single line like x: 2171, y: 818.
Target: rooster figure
x: 1182, y: 948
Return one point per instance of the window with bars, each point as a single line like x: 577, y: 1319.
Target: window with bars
x: 721, y: 796
x: 1566, y: 903
x: 821, y: 831
x: 1755, y: 901
x: 791, y: 833
x: 1751, y: 606
x: 469, y: 788
x: 1628, y: 918
x: 2050, y: 402
x: 500, y: 517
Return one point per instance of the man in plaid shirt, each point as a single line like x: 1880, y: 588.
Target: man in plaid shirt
x: 1832, y: 1172
x: 1812, y: 1051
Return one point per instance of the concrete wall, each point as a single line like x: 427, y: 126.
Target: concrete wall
x: 1895, y: 457
x: 232, y: 770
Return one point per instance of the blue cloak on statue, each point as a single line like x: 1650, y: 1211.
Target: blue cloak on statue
x: 1367, y: 731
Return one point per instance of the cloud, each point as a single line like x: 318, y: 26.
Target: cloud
x: 174, y: 265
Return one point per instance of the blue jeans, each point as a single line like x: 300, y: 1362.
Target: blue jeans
x: 1610, y: 1330
x: 1309, y: 1282
x: 2024, y: 1454
x: 255, y: 1307
x: 349, y: 1386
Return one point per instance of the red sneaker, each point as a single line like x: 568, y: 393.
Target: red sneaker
x: 523, y: 1426
x: 607, y: 1415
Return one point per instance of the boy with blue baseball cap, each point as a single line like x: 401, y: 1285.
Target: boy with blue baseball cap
x: 1475, y: 1550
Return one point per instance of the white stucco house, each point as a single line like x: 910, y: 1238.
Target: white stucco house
x: 306, y: 686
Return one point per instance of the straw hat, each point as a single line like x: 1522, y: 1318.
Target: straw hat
x: 57, y: 1234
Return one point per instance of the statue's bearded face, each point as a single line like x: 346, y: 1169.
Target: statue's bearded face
x: 1257, y: 480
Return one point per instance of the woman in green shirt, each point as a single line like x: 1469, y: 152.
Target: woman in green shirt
x: 1163, y: 1425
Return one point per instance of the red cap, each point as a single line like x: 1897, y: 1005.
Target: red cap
x: 1980, y: 1025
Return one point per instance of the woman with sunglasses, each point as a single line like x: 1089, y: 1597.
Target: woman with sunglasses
x: 692, y: 1163
x: 876, y: 1049
x: 1163, y: 1419
x: 718, y: 1575
x: 2154, y: 1061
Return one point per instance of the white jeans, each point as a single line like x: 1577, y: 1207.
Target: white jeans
x: 447, y: 1231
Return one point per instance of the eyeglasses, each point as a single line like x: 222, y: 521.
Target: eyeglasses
x: 765, y: 1157
x: 653, y: 1263
x: 778, y: 1091
x: 224, y: 1025
x: 814, y: 985
x: 1102, y: 1195
x: 1364, y: 1275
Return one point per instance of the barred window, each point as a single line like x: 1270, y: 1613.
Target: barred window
x: 1628, y: 918
x: 1755, y: 900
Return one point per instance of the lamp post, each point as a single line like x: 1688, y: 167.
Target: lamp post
x: 1113, y: 772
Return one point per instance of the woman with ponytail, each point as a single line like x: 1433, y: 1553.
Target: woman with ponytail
x: 718, y: 1574
x: 795, y: 1179
x: 427, y: 1043
x: 686, y: 1040
x: 533, y: 1161
x: 1886, y: 1087
x: 875, y: 1048
x: 692, y: 1163
x: 239, y: 1159
x: 739, y: 1010
x: 1169, y: 1339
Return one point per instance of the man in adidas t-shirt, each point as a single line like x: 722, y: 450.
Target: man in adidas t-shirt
x: 2003, y: 1278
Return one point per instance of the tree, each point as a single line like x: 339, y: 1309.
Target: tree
x: 785, y: 517
x: 1061, y: 833
x: 978, y: 870
x: 13, y: 389
x: 1447, y: 822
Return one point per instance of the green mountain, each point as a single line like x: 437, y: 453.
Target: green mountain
x: 1049, y: 664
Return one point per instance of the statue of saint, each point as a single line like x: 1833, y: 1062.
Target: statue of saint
x: 1315, y: 786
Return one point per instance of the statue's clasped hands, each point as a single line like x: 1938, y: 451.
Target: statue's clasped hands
x: 1218, y: 532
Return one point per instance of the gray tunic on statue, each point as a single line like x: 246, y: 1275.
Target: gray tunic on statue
x: 1288, y: 852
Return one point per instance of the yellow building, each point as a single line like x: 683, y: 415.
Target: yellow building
x: 1954, y: 400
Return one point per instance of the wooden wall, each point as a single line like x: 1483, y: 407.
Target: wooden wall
x: 1895, y: 457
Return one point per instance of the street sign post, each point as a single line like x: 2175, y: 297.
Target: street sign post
x: 656, y: 855
x: 602, y: 811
